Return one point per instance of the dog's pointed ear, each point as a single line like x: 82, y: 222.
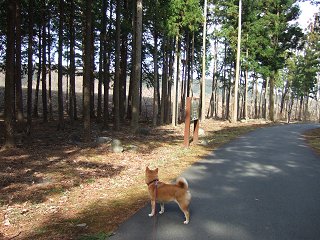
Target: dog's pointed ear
x: 156, y: 170
x: 147, y: 168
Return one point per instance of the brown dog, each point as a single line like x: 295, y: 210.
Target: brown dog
x: 163, y: 192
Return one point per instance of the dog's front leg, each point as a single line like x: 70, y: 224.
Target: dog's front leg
x: 153, y: 208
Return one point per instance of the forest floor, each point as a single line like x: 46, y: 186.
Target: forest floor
x: 52, y: 186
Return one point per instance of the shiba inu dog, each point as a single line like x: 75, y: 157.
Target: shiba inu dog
x: 163, y: 192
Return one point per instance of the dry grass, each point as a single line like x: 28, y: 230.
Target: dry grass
x: 52, y: 188
x: 313, y: 138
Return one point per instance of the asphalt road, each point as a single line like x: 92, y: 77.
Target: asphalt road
x: 263, y: 185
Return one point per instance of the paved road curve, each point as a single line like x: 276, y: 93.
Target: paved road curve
x: 264, y: 185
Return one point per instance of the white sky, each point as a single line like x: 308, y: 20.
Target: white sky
x: 307, y: 13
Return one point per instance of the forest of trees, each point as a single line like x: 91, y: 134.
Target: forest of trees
x: 128, y: 45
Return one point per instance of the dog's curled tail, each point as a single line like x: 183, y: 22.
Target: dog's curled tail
x: 182, y: 182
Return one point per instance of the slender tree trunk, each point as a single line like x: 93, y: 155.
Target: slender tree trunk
x: 137, y: 66
x: 155, y: 62
x: 100, y: 80
x: 174, y: 121
x: 188, y: 64
x: 236, y: 82
x: 92, y: 81
x: 123, y: 61
x: 164, y: 88
x: 140, y: 94
x: 290, y: 103
x: 190, y: 92
x: 19, y: 102
x: 116, y: 88
x: 271, y: 98
x: 224, y: 87
x: 170, y: 82
x: 87, y: 70
x: 256, y: 97
x: 265, y: 98
x: 214, y: 83
x: 133, y: 57
x: 9, y: 78
x: 285, y: 92
x: 183, y: 86
x: 123, y: 76
x: 30, y: 65
x: 246, y: 99
x: 106, y: 62
x: 44, y: 65
x: 60, y: 46
x: 203, y: 81
x: 229, y: 93
x: 36, y: 97
x: 72, y: 95
x: 49, y: 71
x: 306, y: 109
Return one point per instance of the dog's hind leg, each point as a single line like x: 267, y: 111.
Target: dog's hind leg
x: 162, y: 208
x: 184, y: 206
x: 187, y: 216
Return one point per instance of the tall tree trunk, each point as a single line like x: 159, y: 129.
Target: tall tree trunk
x: 116, y: 88
x: 211, y: 108
x: 271, y: 97
x: 19, y: 102
x: 174, y: 120
x: 30, y: 65
x: 170, y: 82
x: 100, y: 80
x: 123, y: 75
x: 155, y: 62
x: 164, y: 86
x: 268, y: 82
x: 72, y: 95
x: 285, y: 92
x: 256, y: 115
x: 60, y: 74
x: 246, y: 99
x: 190, y: 91
x: 137, y: 67
x: 183, y: 86
x: 236, y: 82
x: 49, y: 71
x: 188, y: 65
x: 36, y: 97
x: 87, y: 70
x: 123, y: 62
x: 140, y: 94
x: 9, y: 78
x: 203, y: 81
x: 44, y: 64
x: 106, y: 61
x: 229, y: 93
x: 306, y: 109
x: 290, y: 103
x: 133, y: 57
x: 224, y: 87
